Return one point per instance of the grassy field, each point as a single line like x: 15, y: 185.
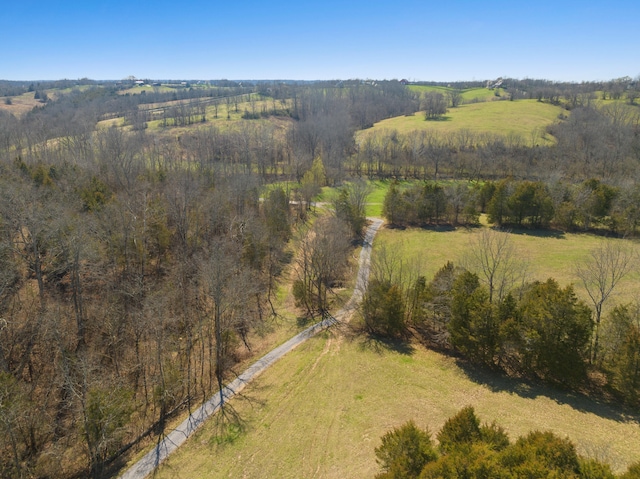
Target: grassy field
x: 548, y: 253
x: 468, y: 95
x: 223, y: 121
x: 321, y: 411
x: 136, y: 90
x: 526, y: 119
x: 20, y: 104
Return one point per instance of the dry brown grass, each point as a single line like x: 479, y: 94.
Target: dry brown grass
x: 21, y: 104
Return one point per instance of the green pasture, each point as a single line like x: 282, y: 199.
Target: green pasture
x: 468, y: 94
x: 548, y: 254
x: 526, y: 119
x: 226, y: 117
x: 321, y: 410
x: 619, y: 108
x: 136, y: 90
x: 65, y: 91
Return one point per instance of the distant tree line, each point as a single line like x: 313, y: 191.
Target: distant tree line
x: 569, y: 94
x: 15, y: 88
x: 588, y: 206
x: 592, y: 142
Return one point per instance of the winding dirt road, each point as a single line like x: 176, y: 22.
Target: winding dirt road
x: 179, y: 435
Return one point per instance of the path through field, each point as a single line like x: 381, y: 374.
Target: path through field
x: 179, y: 435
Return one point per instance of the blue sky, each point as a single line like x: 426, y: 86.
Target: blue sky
x: 418, y: 40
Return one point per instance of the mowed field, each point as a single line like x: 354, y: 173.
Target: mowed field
x: 548, y: 254
x: 321, y: 410
x: 526, y: 119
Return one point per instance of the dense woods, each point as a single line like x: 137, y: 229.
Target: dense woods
x: 137, y: 263
x: 590, y: 205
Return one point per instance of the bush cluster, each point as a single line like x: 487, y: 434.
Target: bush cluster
x: 468, y: 449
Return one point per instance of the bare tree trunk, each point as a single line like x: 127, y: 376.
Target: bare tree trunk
x: 607, y: 265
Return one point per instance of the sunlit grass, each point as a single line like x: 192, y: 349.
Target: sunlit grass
x: 525, y: 119
x: 321, y: 410
x: 547, y: 254
x: 468, y: 94
x: 20, y: 104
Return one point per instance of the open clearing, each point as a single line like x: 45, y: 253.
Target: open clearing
x: 321, y: 411
x: 548, y: 253
x: 526, y: 119
x: 468, y: 94
x: 21, y: 104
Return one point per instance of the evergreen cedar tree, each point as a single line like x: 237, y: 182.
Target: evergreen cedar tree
x: 468, y: 449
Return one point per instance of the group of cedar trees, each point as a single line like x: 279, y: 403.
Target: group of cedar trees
x: 137, y: 266
x: 468, y: 449
x: 487, y: 311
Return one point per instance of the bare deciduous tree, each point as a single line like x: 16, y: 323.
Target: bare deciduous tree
x: 492, y: 256
x: 600, y: 273
x: 321, y: 263
x: 455, y: 98
x: 435, y: 105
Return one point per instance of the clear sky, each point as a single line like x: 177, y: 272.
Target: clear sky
x: 310, y: 40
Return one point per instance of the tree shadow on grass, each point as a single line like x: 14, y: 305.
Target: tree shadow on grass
x: 379, y: 344
x: 305, y: 321
x: 537, y: 233
x: 438, y: 228
x: 228, y: 426
x: 530, y: 389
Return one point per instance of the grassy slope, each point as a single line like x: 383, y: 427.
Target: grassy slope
x: 321, y: 411
x: 235, y: 119
x: 524, y: 118
x: 468, y: 95
x: 21, y: 104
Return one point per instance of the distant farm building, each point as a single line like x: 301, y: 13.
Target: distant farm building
x: 492, y: 85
